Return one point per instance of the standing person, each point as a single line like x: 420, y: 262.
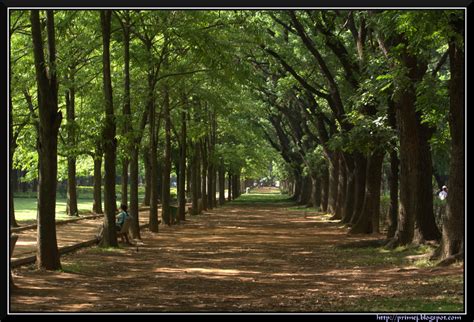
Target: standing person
x: 443, y: 194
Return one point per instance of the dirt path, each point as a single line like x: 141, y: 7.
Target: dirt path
x: 238, y: 258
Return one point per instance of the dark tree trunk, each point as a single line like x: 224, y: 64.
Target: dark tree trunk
x: 341, y: 190
x: 416, y: 201
x: 195, y: 179
x: 368, y: 221
x: 392, y: 177
x: 350, y: 189
x: 182, y: 170
x: 12, y: 173
x: 166, y: 197
x: 425, y: 224
x: 124, y: 197
x: 298, y: 186
x: 316, y: 190
x: 71, y: 202
x: 47, y: 254
x: 305, y: 194
x: 126, y: 111
x: 134, y: 193
x: 221, y: 183
x: 333, y: 183
x: 393, y: 187
x: 360, y: 163
x: 229, y: 183
x: 452, y: 242
x: 97, y: 205
x: 110, y: 145
x: 147, y: 165
x: 325, y: 189
x: 204, y: 163
x: 154, y: 189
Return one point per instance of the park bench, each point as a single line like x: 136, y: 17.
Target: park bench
x: 13, y: 240
x: 123, y: 233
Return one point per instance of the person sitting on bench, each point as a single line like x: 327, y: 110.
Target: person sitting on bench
x: 121, y: 217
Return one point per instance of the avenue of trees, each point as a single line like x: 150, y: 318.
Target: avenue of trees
x: 338, y: 100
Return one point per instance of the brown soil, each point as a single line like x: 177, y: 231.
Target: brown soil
x: 238, y: 258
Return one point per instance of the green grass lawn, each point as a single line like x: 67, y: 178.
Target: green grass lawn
x: 25, y: 209
x: 25, y: 204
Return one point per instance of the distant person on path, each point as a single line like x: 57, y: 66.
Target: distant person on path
x: 121, y: 217
x: 443, y: 194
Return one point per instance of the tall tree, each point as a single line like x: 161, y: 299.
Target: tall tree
x: 49, y: 122
x: 110, y: 143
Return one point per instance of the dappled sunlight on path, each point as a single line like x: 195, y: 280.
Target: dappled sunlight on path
x: 240, y: 257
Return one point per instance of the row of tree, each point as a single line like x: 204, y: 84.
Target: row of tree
x: 345, y: 89
x: 180, y: 104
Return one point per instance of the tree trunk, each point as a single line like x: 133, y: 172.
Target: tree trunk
x: 203, y: 145
x: 47, y: 254
x: 195, y: 179
x: 360, y: 163
x: 229, y: 189
x: 71, y: 202
x: 12, y: 174
x: 126, y: 111
x: 368, y: 221
x: 325, y: 189
x: 341, y: 190
x: 134, y: 193
x: 316, y: 190
x: 392, y: 176
x: 416, y: 201
x: 182, y: 170
x: 305, y: 193
x: 97, y: 205
x: 452, y: 242
x: 333, y: 183
x: 110, y: 145
x: 350, y: 189
x: 147, y: 165
x: 154, y: 189
x: 221, y: 183
x: 393, y: 187
x: 124, y: 197
x: 166, y: 197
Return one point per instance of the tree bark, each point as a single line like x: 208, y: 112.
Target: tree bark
x: 393, y: 187
x: 71, y: 202
x: 368, y: 221
x: 147, y: 165
x: 97, y: 205
x: 305, y: 194
x: 360, y: 163
x: 325, y: 189
x: 316, y: 190
x: 166, y: 197
x: 221, y: 183
x: 110, y: 145
x: 350, y: 189
x: 195, y: 179
x: 341, y: 190
x: 182, y: 170
x: 47, y: 254
x: 134, y: 193
x: 452, y: 242
x: 333, y: 183
x: 229, y: 183
x: 204, y: 163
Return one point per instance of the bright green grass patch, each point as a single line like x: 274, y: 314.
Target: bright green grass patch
x: 375, y: 256
x: 252, y: 198
x: 25, y: 208
x: 408, y: 304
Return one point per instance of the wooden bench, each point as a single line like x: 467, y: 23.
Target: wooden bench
x: 13, y: 240
x: 123, y: 233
